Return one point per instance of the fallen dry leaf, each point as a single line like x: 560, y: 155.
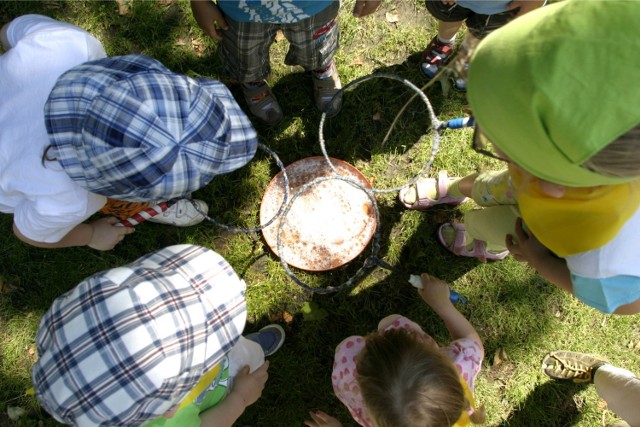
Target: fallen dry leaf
x: 287, y: 317
x: 500, y: 356
x: 357, y: 61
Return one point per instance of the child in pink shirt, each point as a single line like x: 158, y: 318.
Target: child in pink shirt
x: 398, y: 375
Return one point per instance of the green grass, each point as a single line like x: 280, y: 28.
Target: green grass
x: 513, y: 309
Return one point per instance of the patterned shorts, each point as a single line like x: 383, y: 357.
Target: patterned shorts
x: 244, y: 49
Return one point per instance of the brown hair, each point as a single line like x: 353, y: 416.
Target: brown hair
x: 406, y: 382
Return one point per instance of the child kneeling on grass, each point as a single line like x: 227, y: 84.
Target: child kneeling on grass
x: 398, y: 376
x: 567, y: 201
x: 81, y: 133
x: 156, y: 342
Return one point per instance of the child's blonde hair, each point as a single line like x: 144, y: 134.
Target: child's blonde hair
x: 406, y: 382
x: 621, y: 158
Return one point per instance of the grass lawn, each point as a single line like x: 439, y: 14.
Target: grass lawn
x: 517, y: 313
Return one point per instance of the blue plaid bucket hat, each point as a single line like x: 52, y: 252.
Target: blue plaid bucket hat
x: 129, y: 128
x: 127, y: 345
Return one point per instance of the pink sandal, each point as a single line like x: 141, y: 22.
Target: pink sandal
x: 459, y: 246
x: 425, y: 202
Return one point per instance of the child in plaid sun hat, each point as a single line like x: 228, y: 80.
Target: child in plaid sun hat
x: 158, y: 339
x: 81, y: 133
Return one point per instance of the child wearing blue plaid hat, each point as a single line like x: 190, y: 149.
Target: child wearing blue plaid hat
x: 155, y: 342
x: 116, y: 132
x: 247, y: 29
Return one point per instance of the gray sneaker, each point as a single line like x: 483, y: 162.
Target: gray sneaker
x: 262, y: 103
x: 182, y: 214
x: 270, y: 338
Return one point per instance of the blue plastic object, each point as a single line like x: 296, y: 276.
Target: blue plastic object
x: 456, y: 297
x: 459, y: 123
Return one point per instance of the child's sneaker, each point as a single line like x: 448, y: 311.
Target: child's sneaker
x: 435, y: 56
x: 325, y: 88
x: 270, y: 338
x: 571, y: 366
x: 262, y: 103
x: 183, y: 213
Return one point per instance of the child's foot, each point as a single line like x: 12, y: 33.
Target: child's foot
x: 435, y: 56
x: 270, y: 338
x: 453, y: 236
x: 262, y: 103
x: 183, y: 213
x: 326, y: 83
x: 572, y: 366
x: 427, y: 192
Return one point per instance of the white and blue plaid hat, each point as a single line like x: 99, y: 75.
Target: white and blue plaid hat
x: 127, y: 345
x: 129, y: 128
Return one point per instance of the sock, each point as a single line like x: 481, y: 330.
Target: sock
x: 324, y: 73
x: 446, y: 41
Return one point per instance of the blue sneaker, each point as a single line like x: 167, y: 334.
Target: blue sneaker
x: 270, y: 338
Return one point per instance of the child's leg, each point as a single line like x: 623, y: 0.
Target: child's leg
x: 244, y: 50
x: 481, y: 25
x: 313, y: 44
x: 491, y: 225
x: 492, y: 188
x: 440, y: 48
x: 245, y: 352
x: 621, y: 390
x: 313, y: 41
x: 486, y: 188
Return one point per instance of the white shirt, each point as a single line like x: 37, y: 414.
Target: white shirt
x: 45, y: 202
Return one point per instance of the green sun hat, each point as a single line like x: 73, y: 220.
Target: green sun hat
x: 554, y: 87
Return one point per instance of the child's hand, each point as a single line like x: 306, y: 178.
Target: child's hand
x: 320, y: 419
x: 106, y: 234
x: 526, y: 248
x: 365, y: 7
x: 250, y: 385
x: 434, y: 291
x: 209, y: 18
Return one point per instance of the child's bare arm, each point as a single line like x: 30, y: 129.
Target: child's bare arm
x: 435, y: 292
x: 246, y: 390
x: 363, y: 8
x: 209, y: 17
x: 102, y: 235
x: 525, y: 247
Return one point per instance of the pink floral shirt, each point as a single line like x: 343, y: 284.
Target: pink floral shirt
x: 466, y: 354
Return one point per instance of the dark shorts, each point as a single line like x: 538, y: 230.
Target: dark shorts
x: 478, y: 25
